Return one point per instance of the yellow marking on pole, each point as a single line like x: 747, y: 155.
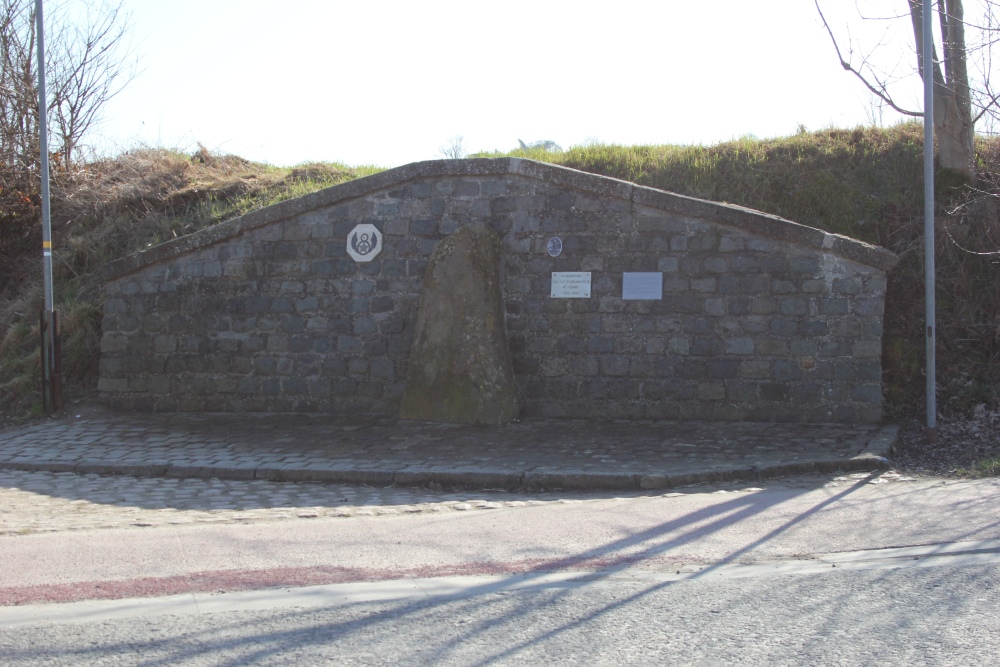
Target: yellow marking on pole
x: 46, y: 245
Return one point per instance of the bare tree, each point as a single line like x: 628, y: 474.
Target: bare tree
x: 18, y: 124
x: 957, y: 105
x: 454, y: 149
x: 87, y: 63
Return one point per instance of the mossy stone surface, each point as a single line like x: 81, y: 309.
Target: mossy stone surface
x: 459, y: 370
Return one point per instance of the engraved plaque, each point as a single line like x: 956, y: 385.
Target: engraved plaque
x: 642, y: 286
x: 571, y: 284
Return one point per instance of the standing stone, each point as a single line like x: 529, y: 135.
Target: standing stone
x: 459, y: 370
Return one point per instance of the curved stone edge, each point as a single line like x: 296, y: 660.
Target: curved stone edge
x: 731, y: 215
x: 872, y: 458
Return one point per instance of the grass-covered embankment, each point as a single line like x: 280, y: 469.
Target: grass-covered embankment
x: 108, y: 209
x: 865, y: 183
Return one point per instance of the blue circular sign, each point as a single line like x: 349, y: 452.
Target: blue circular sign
x: 554, y: 246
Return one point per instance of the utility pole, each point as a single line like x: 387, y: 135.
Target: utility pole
x: 49, y: 320
x: 929, y: 304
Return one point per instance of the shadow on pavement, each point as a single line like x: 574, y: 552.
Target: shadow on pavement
x: 601, y: 562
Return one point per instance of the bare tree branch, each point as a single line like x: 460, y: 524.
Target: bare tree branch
x: 454, y: 149
x: 86, y: 66
x: 954, y: 99
x: 881, y: 90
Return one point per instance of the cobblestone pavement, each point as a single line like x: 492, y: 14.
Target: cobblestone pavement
x: 32, y: 502
x: 94, y: 468
x: 563, y: 454
x: 38, y: 502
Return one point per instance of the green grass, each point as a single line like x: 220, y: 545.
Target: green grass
x: 843, y: 181
x: 987, y: 468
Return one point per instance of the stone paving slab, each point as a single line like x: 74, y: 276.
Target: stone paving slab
x: 544, y: 454
x: 45, y: 502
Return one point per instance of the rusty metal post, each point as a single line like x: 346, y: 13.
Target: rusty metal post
x: 51, y: 357
x: 44, y: 359
x: 56, y: 368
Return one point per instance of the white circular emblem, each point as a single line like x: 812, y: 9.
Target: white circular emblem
x: 554, y: 246
x: 364, y: 243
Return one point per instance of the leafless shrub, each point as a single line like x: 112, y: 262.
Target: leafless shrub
x: 454, y: 149
x: 87, y: 63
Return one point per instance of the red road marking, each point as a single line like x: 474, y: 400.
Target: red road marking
x: 225, y: 581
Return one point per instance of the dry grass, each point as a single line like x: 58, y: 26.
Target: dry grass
x: 106, y: 210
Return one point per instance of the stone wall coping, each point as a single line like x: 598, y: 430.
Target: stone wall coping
x: 730, y: 215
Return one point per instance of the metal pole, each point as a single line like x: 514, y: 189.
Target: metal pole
x: 50, y: 374
x: 929, y: 304
x: 43, y: 142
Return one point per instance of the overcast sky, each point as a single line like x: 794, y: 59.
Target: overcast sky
x: 387, y: 83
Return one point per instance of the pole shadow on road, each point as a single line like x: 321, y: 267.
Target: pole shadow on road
x: 601, y: 563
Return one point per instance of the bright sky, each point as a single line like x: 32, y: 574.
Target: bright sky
x: 387, y: 82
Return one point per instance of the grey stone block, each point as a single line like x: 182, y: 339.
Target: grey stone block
x: 775, y: 392
x: 706, y: 347
x: 834, y: 306
x: 357, y: 305
x: 716, y: 264
x: 814, y: 328
x: 762, y: 305
x: 804, y: 264
x: 164, y: 344
x: 794, y: 306
x: 739, y: 346
x: 755, y: 369
x: 711, y: 391
x: 868, y: 306
x: 715, y: 307
x: 722, y: 369
x: 741, y: 392
x: 866, y: 348
x: 739, y: 305
x: 706, y: 285
x: 785, y: 371
x: 870, y: 393
x: 349, y: 345
x: 805, y: 347
x: 614, y: 365
x: 784, y: 327
x: 846, y: 285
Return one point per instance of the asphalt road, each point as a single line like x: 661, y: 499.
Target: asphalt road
x: 939, y: 615
x: 789, y: 573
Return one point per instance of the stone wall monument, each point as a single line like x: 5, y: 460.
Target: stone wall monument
x: 620, y: 302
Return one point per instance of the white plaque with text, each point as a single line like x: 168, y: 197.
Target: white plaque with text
x: 642, y: 286
x: 571, y: 284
